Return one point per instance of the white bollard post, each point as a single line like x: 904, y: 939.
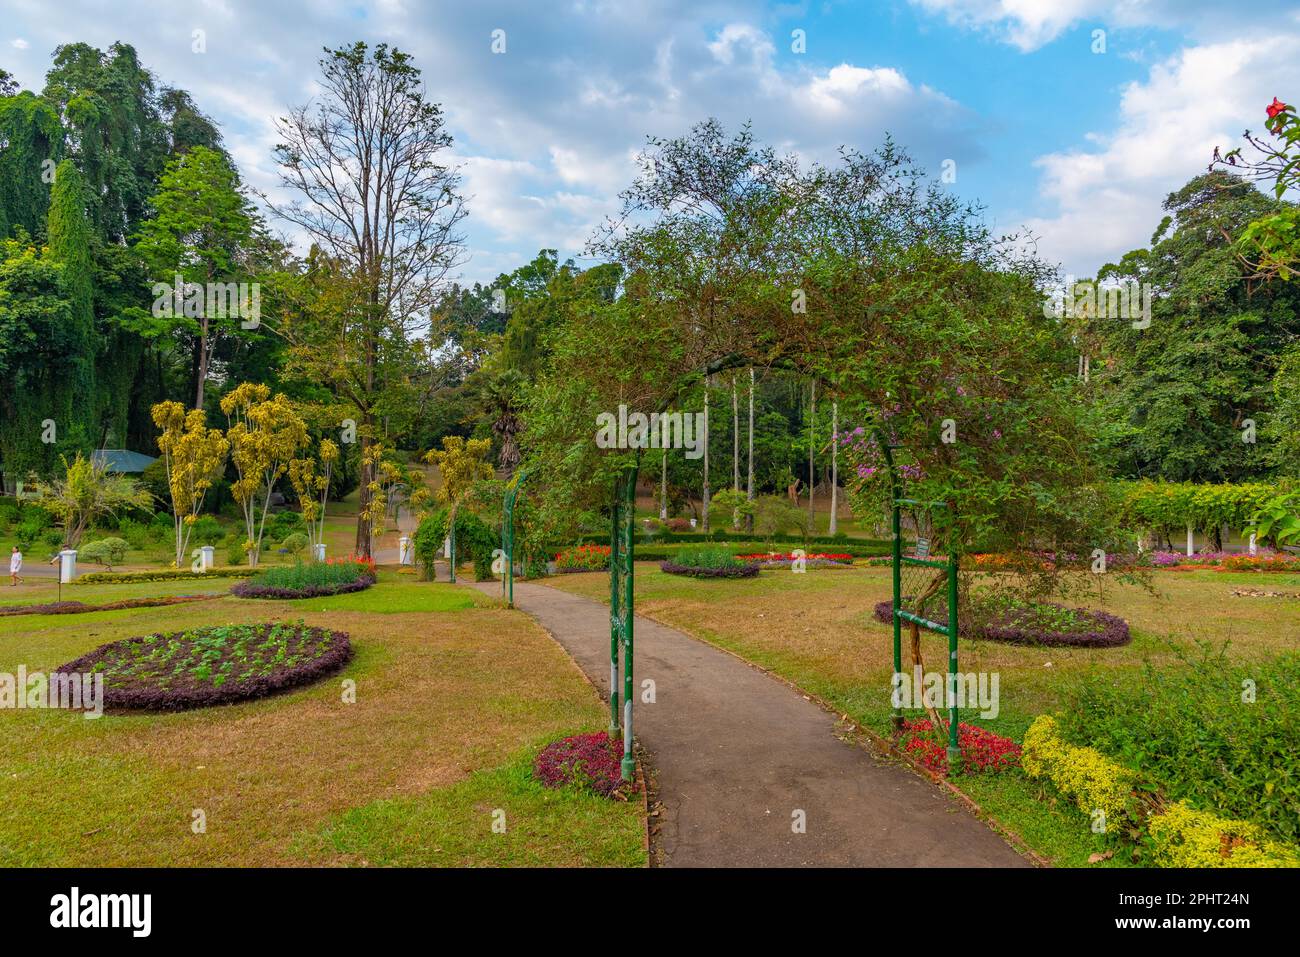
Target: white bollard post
x: 404, y: 550
x: 208, y: 561
x: 67, y: 565
x: 320, y: 551
x: 446, y: 547
x: 1254, y: 549
x: 1191, y: 544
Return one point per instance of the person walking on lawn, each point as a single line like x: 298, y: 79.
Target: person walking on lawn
x: 15, y: 566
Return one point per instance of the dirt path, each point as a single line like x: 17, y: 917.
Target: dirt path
x: 738, y: 754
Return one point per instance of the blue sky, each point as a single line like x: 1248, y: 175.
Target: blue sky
x: 1077, y: 146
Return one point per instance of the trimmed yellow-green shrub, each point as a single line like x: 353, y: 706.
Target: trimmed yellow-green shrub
x: 1181, y: 836
x: 1178, y: 835
x: 1085, y: 774
x: 163, y: 575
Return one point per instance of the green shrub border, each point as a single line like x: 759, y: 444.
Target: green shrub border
x: 163, y: 575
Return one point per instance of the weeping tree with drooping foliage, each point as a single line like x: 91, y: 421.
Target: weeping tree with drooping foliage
x: 202, y: 229
x: 35, y: 343
x: 70, y: 243
x: 33, y: 138
x: 102, y: 111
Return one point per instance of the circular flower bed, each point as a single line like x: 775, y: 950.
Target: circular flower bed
x: 589, y: 760
x: 218, y: 664
x: 743, y: 570
x: 1043, y: 624
x: 309, y: 581
x: 709, y: 561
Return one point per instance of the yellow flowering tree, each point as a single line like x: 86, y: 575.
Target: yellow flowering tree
x: 265, y: 435
x: 193, y: 455
x: 311, y: 480
x: 462, y: 463
x: 387, y: 475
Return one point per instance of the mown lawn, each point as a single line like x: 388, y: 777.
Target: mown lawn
x: 816, y: 630
x: 454, y: 695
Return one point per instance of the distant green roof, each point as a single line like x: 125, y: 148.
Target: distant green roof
x: 123, y: 460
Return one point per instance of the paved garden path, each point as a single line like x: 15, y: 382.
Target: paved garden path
x: 736, y: 753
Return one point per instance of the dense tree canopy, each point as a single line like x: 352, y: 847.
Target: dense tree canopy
x: 1178, y: 392
x: 859, y: 285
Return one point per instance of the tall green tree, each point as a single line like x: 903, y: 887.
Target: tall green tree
x: 33, y: 144
x: 202, y: 229
x: 70, y: 241
x: 35, y: 323
x: 1177, y: 394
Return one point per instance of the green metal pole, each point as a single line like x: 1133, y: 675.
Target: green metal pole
x: 452, y: 556
x: 629, y: 522
x: 898, y: 602
x: 895, y: 494
x: 507, y: 586
x: 954, y: 748
x: 508, y: 538
x: 614, y: 611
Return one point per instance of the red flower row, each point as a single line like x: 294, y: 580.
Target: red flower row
x: 790, y: 557
x: 364, y: 561
x: 981, y: 750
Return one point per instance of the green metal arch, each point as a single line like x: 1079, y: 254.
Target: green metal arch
x: 508, y: 536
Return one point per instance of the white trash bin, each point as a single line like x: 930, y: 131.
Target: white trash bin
x: 67, y: 565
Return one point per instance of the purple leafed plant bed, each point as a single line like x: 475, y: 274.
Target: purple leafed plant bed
x: 212, y: 665
x: 748, y: 570
x: 77, y: 607
x: 250, y: 589
x: 591, y: 760
x: 1020, y: 626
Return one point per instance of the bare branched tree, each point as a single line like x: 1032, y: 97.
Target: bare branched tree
x: 364, y: 166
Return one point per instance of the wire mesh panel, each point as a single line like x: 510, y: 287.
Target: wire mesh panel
x: 925, y: 599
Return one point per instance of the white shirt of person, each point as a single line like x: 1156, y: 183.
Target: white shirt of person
x: 15, y: 562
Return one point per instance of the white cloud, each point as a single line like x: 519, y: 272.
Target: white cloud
x: 549, y: 130
x: 1108, y: 199
x: 18, y: 43
x: 837, y: 90
x: 1030, y: 24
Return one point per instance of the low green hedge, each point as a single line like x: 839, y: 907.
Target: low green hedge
x: 657, y: 551
x: 163, y: 575
x: 729, y: 535
x: 1219, y: 734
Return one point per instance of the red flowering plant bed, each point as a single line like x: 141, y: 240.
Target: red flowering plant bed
x: 981, y: 750
x: 591, y: 761
x: 787, y: 559
x: 583, y: 558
